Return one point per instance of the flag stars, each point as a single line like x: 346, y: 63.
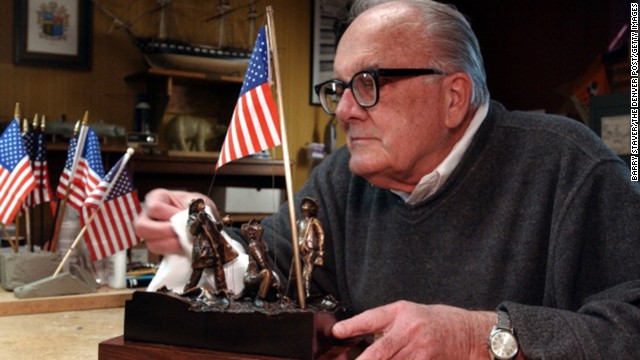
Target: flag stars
x: 12, y: 147
x: 92, y: 154
x: 257, y: 71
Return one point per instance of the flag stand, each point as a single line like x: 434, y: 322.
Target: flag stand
x: 66, y: 283
x: 125, y: 159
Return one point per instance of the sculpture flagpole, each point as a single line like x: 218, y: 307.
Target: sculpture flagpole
x: 285, y: 152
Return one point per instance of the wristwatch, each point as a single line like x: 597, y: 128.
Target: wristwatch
x: 503, y: 344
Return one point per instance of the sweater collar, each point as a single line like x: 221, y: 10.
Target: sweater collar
x: 432, y: 182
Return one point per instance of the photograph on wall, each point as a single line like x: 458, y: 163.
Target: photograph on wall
x: 327, y: 16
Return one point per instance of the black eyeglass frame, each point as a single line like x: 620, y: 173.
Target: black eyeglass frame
x: 375, y: 74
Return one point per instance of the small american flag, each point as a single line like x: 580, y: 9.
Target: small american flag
x: 35, y: 143
x: 88, y: 173
x: 111, y: 229
x: 254, y: 126
x: 66, y: 172
x: 16, y: 175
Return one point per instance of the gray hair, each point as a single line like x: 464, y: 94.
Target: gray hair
x: 451, y: 36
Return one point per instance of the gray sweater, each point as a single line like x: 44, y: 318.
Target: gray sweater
x: 539, y: 218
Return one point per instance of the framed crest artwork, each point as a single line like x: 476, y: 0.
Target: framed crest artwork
x: 53, y: 33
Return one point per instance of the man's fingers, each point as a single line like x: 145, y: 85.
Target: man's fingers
x: 369, y: 322
x: 162, y: 211
x: 384, y: 347
x: 158, y: 235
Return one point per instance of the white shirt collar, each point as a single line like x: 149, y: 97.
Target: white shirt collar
x: 433, y: 181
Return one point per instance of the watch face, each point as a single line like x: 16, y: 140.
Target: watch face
x: 504, y: 345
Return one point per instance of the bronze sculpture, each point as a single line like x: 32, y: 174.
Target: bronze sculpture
x: 260, y: 282
x: 310, y: 240
x: 210, y: 250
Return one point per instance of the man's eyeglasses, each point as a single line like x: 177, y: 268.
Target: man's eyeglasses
x: 364, y: 85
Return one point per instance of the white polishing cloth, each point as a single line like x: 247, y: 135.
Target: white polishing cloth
x: 175, y: 269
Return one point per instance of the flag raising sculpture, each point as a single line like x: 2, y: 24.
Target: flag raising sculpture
x: 115, y: 205
x: 16, y: 175
x: 254, y: 126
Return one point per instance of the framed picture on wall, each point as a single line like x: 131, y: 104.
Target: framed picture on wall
x: 610, y: 118
x: 53, y: 33
x: 326, y: 16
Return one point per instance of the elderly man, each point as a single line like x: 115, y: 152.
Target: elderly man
x: 455, y: 229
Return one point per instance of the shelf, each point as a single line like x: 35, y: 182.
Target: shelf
x: 195, y: 173
x: 180, y: 76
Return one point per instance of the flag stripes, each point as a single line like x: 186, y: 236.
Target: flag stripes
x: 88, y: 172
x: 109, y: 212
x: 42, y: 192
x: 14, y: 187
x: 16, y: 174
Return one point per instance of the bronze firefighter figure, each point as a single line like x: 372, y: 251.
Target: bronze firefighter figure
x: 210, y: 249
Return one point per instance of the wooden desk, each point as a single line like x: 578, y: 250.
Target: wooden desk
x: 62, y: 335
x: 60, y: 327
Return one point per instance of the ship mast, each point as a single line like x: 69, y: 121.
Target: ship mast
x: 223, y: 8
x: 162, y: 30
x: 251, y: 16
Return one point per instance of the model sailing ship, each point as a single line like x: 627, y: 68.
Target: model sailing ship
x: 164, y: 50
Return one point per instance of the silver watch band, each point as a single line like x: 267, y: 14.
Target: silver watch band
x: 503, y: 320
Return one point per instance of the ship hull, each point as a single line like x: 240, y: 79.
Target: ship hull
x: 176, y: 55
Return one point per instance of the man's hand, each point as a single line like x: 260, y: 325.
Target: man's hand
x: 406, y: 330
x: 153, y: 224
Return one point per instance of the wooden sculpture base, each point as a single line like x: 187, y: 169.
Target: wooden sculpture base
x: 119, y: 349
x: 168, y: 319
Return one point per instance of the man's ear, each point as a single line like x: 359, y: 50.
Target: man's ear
x: 458, y: 88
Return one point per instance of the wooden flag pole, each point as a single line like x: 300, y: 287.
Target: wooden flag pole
x: 27, y: 211
x: 43, y: 121
x: 125, y: 160
x: 287, y: 163
x: 63, y: 202
x: 16, y: 234
x: 8, y: 236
